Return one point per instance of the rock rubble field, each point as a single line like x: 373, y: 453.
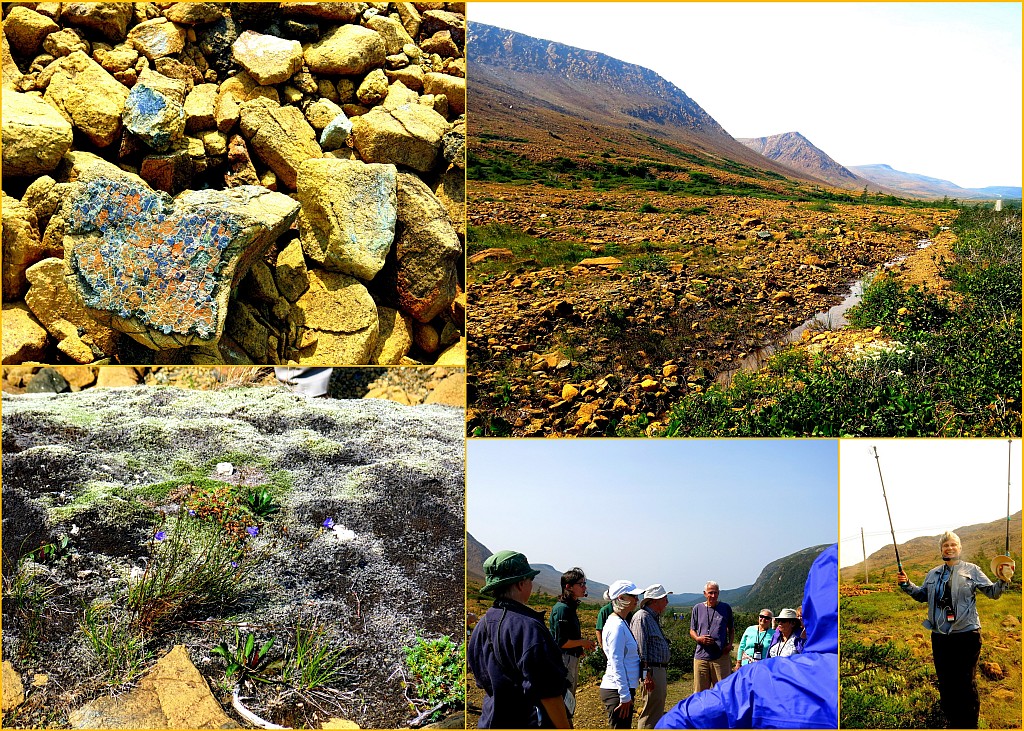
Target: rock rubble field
x: 669, y: 294
x: 245, y: 183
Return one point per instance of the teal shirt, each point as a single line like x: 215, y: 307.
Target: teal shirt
x: 752, y: 635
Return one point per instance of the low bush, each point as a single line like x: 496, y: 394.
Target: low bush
x: 436, y: 675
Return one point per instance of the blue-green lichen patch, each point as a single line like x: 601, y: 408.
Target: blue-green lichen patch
x: 149, y: 261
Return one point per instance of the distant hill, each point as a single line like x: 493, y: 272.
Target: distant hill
x: 981, y: 541
x: 780, y: 583
x: 922, y: 186
x: 795, y: 151
x: 545, y: 100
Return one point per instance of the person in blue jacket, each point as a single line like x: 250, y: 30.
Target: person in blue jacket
x: 800, y: 691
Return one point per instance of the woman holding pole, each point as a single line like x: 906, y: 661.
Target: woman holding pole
x: 949, y: 590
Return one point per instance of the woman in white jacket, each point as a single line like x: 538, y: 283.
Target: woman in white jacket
x: 619, y: 645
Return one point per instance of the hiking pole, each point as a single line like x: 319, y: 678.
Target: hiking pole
x: 899, y: 564
x: 1003, y: 566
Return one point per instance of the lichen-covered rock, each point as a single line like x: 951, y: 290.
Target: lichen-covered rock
x: 340, y: 314
x: 290, y: 273
x: 267, y: 59
x: 22, y: 246
x: 401, y: 133
x: 347, y: 50
x: 14, y: 691
x: 24, y: 339
x: 281, y: 137
x: 194, y: 13
x: 26, y: 29
x: 337, y: 12
x: 349, y: 209
x: 108, y: 19
x: 88, y: 97
x: 336, y: 133
x: 422, y: 271
x: 155, y: 110
x: 392, y: 475
x: 35, y: 135
x: 391, y: 30
x: 373, y: 89
x: 395, y: 338
x: 200, y: 107
x: 162, y: 270
x: 157, y: 38
x: 53, y: 304
x: 452, y: 87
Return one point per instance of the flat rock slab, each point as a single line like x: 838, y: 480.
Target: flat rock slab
x: 161, y: 270
x: 172, y: 695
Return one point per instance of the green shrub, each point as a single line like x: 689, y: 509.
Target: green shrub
x: 117, y: 643
x: 648, y: 208
x: 436, y: 674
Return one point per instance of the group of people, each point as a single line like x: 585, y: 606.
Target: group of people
x: 528, y: 670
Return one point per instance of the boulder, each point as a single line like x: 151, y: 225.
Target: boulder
x: 162, y: 270
x: 442, y: 44
x: 337, y: 12
x: 373, y: 89
x: 24, y: 339
x: 240, y: 168
x: 65, y: 42
x: 290, y: 273
x: 281, y: 137
x: 22, y: 246
x: 157, y: 38
x: 449, y: 391
x: 88, y: 97
x: 110, y: 20
x: 171, y: 173
x: 26, y: 29
x: 11, y: 73
x: 348, y: 50
x: 267, y: 59
x: 200, y: 107
x: 55, y: 306
x: 435, y: 21
x: 453, y: 356
x: 400, y: 131
x: 391, y: 31
x: 337, y: 132
x: 194, y: 13
x: 342, y: 317
x: 14, y: 691
x: 395, y: 338
x: 422, y: 271
x: 118, y: 377
x: 155, y: 109
x: 452, y: 87
x: 173, y: 694
x: 321, y: 113
x: 349, y: 209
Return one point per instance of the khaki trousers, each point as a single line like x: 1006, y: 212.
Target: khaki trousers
x: 652, y: 705
x: 708, y: 672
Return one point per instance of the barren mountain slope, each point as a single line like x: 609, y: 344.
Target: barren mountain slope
x: 795, y: 151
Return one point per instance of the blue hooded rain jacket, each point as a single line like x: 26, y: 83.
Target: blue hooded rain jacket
x: 800, y: 691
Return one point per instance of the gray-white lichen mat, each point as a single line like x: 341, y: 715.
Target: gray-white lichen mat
x: 368, y: 538
x: 130, y: 131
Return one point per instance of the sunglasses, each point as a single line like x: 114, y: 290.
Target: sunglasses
x: 763, y: 616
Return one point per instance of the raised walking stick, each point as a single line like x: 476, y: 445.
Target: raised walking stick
x: 1003, y: 566
x: 899, y: 564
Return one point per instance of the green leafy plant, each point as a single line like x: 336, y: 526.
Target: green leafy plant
x: 119, y: 646
x: 312, y: 662
x: 436, y: 674
x: 28, y: 592
x: 245, y: 661
x: 52, y: 551
x: 648, y: 208
x: 261, y: 504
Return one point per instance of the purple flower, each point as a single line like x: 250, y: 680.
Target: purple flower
x: 192, y: 513
x: 160, y: 535
x: 234, y: 564
x: 252, y: 531
x: 329, y: 523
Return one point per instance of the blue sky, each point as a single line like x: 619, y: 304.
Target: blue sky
x: 672, y: 512
x: 933, y: 485
x: 928, y: 88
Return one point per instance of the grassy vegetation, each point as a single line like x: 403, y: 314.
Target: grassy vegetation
x: 117, y: 642
x: 437, y: 675
x: 887, y: 676
x: 955, y: 369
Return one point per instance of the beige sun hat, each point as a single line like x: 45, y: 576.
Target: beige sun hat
x: 1003, y: 567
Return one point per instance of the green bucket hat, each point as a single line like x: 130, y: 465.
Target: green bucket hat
x: 505, y: 568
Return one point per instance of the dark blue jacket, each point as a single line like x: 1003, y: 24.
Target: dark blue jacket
x: 515, y: 660
x: 800, y: 691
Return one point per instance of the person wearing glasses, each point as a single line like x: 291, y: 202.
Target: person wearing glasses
x: 755, y: 640
x: 949, y: 590
x: 711, y: 626
x: 787, y: 639
x: 565, y: 625
x: 654, y: 655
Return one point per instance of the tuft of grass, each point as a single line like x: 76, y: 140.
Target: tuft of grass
x: 117, y: 643
x: 29, y: 593
x: 313, y: 662
x: 195, y: 565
